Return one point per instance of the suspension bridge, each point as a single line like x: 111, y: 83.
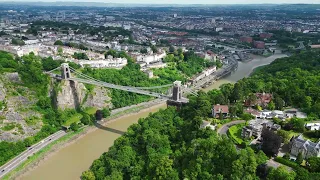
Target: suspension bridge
x: 175, y: 95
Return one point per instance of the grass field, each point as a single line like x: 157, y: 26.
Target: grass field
x: 235, y: 133
x: 74, y: 118
x: 90, y: 110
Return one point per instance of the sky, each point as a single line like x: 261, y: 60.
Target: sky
x: 187, y: 1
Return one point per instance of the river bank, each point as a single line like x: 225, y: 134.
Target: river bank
x: 43, y: 155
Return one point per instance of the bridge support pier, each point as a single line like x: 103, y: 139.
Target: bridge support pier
x: 65, y: 71
x: 176, y: 99
x: 176, y: 91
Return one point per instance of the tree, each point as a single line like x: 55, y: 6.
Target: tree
x: 252, y: 99
x: 74, y: 126
x: 233, y: 111
x: 286, y: 156
x: 281, y: 173
x: 247, y: 116
x: 85, y: 119
x: 171, y: 49
x: 60, y: 50
x: 105, y: 112
x: 58, y: 43
x: 299, y: 158
x: 154, y: 49
x: 144, y: 51
x: 98, y: 115
x: 88, y: 175
x: 271, y: 106
x: 17, y: 42
x: 270, y: 142
x: 285, y: 135
x: 278, y: 103
x: 313, y: 164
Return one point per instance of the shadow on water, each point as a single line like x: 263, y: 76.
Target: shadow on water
x: 98, y: 125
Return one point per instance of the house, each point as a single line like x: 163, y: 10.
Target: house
x: 277, y: 114
x: 305, y: 147
x: 220, y: 109
x: 255, y: 128
x: 262, y: 99
x: 290, y: 113
x: 252, y: 130
x: 206, y: 124
x: 210, y: 56
x: 253, y: 112
x: 265, y: 114
x: 313, y: 126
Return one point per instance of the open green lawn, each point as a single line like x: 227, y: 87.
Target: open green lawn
x: 74, y: 118
x: 90, y: 110
x: 234, y: 133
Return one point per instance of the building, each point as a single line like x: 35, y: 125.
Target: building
x: 305, y: 147
x: 259, y: 44
x: 262, y: 99
x: 290, y: 113
x: 255, y: 128
x: 105, y: 63
x: 251, y: 130
x: 246, y: 39
x: 220, y: 109
x: 203, y: 74
x: 218, y: 29
x: 149, y: 73
x: 206, y: 124
x: 253, y: 112
x: 158, y: 57
x: 210, y: 56
x: 313, y: 126
x: 266, y: 35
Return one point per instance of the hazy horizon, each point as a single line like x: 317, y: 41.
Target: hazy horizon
x: 180, y: 1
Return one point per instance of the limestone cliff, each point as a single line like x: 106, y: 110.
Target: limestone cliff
x: 18, y: 120
x: 99, y: 98
x: 70, y: 94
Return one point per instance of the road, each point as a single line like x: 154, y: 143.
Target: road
x: 29, y: 152
x: 224, y: 129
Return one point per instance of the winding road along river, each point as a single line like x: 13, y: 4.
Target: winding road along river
x: 69, y: 162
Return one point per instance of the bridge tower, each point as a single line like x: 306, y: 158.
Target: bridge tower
x: 176, y: 91
x: 65, y: 71
x: 176, y: 99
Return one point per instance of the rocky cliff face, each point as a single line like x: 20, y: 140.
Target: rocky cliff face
x: 70, y: 95
x: 73, y: 95
x: 16, y: 109
x: 99, y: 98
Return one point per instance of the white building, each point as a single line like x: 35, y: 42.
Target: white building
x: 313, y: 126
x: 206, y: 124
x: 28, y: 42
x: 107, y: 63
x: 151, y: 58
x: 203, y: 74
x: 218, y: 29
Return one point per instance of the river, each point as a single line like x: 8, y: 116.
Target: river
x: 69, y: 162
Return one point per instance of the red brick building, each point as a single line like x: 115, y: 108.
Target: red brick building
x: 266, y: 35
x: 246, y: 39
x: 262, y: 99
x: 259, y: 44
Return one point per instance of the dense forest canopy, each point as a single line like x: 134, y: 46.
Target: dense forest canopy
x: 165, y: 146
